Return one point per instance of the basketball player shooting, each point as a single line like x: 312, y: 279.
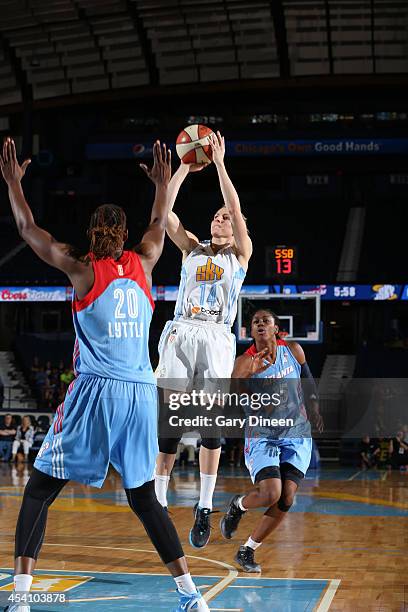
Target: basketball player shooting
x: 276, y: 463
x: 198, y: 343
x: 109, y: 414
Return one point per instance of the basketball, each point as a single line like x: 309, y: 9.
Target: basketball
x: 192, y: 145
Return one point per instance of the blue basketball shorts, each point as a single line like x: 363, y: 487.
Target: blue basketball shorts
x: 103, y: 421
x: 261, y: 453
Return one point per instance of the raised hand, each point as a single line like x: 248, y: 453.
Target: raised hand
x: 217, y: 143
x: 160, y: 173
x: 197, y: 167
x: 257, y: 364
x: 10, y: 168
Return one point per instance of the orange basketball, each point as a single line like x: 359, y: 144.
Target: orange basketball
x: 192, y: 145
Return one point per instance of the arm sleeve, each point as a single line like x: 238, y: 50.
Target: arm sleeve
x: 308, y: 383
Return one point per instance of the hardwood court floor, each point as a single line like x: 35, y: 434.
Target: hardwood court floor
x: 343, y: 546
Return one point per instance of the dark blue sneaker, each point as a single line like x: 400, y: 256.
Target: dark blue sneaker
x: 230, y: 521
x: 200, y: 532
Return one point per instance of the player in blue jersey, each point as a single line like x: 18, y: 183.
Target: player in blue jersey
x: 197, y: 346
x: 109, y: 414
x: 277, y: 457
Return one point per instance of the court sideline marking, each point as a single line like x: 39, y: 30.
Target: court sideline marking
x: 354, y: 475
x: 328, y: 597
x: 215, y: 590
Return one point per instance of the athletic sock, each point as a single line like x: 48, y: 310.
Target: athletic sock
x: 22, y: 582
x: 239, y: 503
x: 161, y: 484
x: 250, y: 543
x: 185, y: 583
x: 207, y: 490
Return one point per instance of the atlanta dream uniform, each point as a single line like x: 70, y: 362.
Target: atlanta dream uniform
x: 264, y: 448
x: 198, y: 342
x: 109, y: 414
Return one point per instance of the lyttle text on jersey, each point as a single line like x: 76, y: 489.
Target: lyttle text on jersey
x: 125, y: 329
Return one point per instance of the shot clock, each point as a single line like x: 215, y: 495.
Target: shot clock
x: 282, y: 262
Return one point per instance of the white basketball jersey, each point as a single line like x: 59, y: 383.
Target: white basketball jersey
x: 209, y: 285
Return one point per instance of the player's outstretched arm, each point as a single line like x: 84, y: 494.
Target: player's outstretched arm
x: 51, y: 251
x: 231, y: 199
x: 183, y: 239
x: 151, y: 245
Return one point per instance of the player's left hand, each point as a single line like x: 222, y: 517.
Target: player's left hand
x: 316, y: 418
x: 217, y: 144
x: 10, y: 168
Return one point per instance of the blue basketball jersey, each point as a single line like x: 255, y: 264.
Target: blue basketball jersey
x: 292, y: 405
x: 112, y: 322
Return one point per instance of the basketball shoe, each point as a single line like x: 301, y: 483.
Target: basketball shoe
x: 194, y: 601
x: 200, y: 532
x: 245, y: 559
x: 230, y: 521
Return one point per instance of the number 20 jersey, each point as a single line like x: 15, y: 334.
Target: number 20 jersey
x: 209, y: 285
x: 112, y: 322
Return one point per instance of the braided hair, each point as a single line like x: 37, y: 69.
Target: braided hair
x: 106, y: 231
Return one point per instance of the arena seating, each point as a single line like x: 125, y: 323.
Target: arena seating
x: 66, y: 47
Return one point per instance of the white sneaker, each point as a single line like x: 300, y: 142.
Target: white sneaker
x: 194, y: 602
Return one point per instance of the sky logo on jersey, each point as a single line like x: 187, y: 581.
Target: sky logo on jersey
x: 209, y: 272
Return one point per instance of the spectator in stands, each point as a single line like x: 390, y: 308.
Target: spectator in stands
x: 405, y: 432
x: 40, y: 380
x: 24, y: 437
x: 398, y: 451
x: 7, y: 435
x: 369, y: 453
x: 35, y: 367
x: 48, y: 369
x: 384, y: 457
x: 67, y: 376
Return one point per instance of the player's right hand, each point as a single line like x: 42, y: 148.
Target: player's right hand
x: 160, y: 173
x: 260, y: 362
x: 10, y: 168
x: 196, y: 167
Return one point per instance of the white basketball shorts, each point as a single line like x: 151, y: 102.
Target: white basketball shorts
x: 193, y: 352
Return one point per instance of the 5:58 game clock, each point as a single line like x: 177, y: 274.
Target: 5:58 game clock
x: 282, y: 262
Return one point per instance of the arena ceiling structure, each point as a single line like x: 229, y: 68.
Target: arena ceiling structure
x: 54, y: 49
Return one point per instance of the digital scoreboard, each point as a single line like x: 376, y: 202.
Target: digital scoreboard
x: 282, y: 262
